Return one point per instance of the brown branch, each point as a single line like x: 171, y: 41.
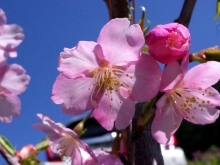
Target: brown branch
x: 147, y: 150
x: 109, y: 6
x: 118, y: 8
x: 133, y: 13
x: 186, y: 13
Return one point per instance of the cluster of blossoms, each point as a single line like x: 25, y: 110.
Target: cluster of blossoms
x: 111, y: 75
x: 13, y: 78
x: 187, y: 95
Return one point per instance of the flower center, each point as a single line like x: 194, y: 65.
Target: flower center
x: 64, y: 145
x: 104, y: 79
x: 107, y: 80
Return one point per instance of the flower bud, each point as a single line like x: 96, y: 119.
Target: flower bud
x: 168, y: 42
x: 26, y: 152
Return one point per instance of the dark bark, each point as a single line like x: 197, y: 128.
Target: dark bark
x: 118, y: 8
x: 186, y: 12
x: 146, y: 148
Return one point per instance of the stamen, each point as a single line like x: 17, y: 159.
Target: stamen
x: 106, y: 80
x: 186, y: 101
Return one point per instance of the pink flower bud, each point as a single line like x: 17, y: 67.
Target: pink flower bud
x: 26, y: 152
x: 168, y: 42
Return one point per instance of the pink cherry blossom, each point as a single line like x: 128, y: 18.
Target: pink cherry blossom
x: 103, y: 158
x: 107, y: 77
x: 187, y: 96
x: 13, y: 81
x: 10, y: 37
x: 168, y: 42
x: 63, y: 141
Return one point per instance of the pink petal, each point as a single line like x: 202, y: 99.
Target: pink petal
x: 107, y: 109
x: 201, y: 105
x: 76, y: 157
x: 74, y: 94
x: 42, y: 117
x: 171, y: 77
x: 104, y: 158
x: 11, y: 36
x: 89, y: 151
x: 203, y: 75
x: 15, y: 79
x: 121, y: 43
x: 166, y: 121
x: 80, y: 143
x: 3, y: 57
x: 158, y: 32
x: 10, y: 106
x: 147, y: 75
x: 185, y: 63
x: 125, y: 114
x: 206, y: 116
x: 79, y: 60
x: 2, y: 18
x: 46, y: 129
x: 170, y: 27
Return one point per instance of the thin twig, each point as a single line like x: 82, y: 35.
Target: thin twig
x: 11, y: 160
x: 133, y: 13
x: 109, y: 6
x: 186, y: 13
x: 117, y: 8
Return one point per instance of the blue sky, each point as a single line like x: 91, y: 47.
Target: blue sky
x: 51, y: 25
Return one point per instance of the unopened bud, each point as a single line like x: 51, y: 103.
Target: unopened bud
x: 208, y: 54
x: 169, y: 42
x: 26, y: 152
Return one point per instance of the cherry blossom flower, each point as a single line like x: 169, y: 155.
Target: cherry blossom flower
x: 10, y: 37
x: 169, y: 42
x: 13, y: 81
x: 107, y: 77
x: 187, y: 96
x: 103, y: 158
x: 63, y: 141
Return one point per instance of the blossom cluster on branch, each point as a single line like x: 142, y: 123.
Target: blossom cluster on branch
x: 13, y: 78
x: 109, y: 77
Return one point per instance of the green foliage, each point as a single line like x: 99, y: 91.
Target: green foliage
x: 192, y: 137
x: 212, y: 54
x: 7, y: 145
x: 43, y: 144
x: 30, y: 161
x: 217, y: 10
x: 210, y: 157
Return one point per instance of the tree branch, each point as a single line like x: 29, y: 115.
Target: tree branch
x: 147, y: 150
x: 117, y: 8
x: 186, y: 13
x: 11, y: 160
